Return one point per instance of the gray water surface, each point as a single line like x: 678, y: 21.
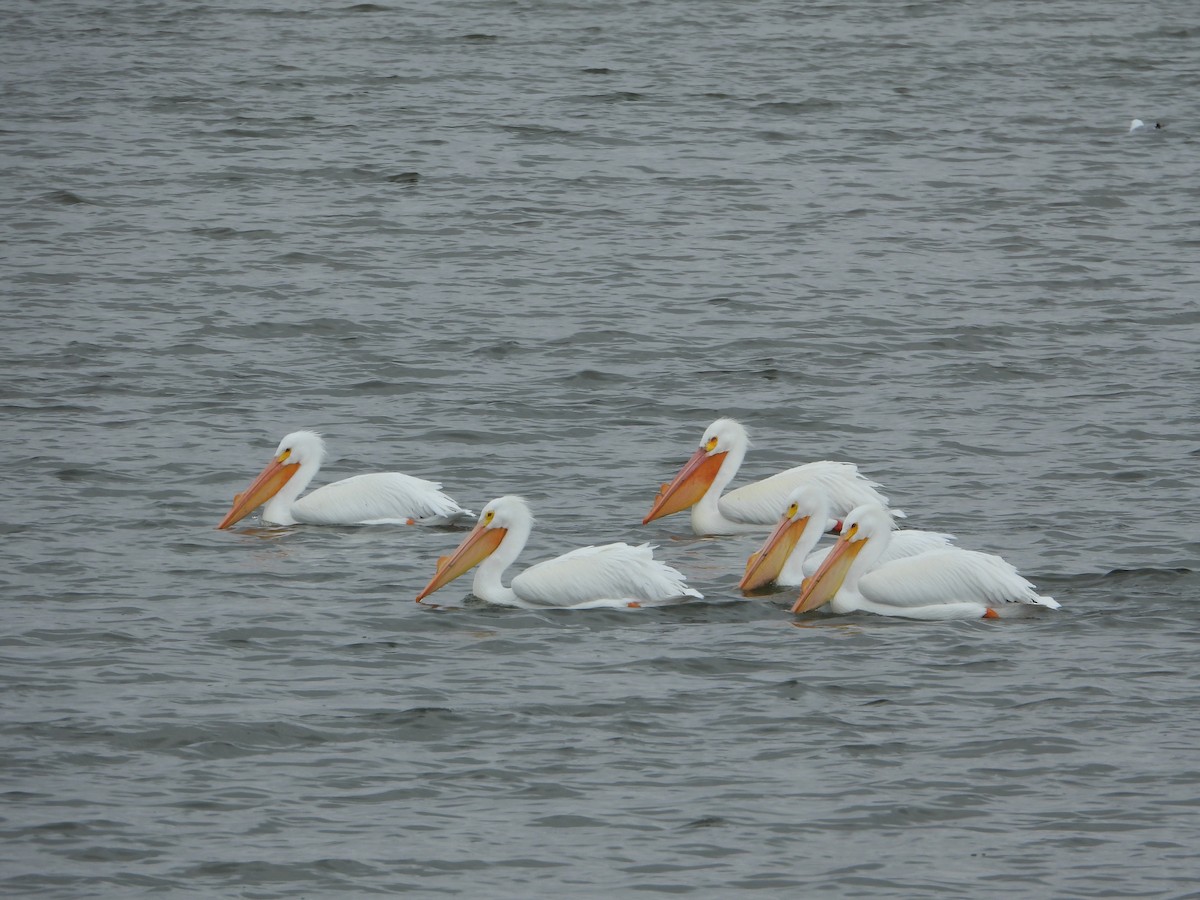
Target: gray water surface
x: 535, y: 248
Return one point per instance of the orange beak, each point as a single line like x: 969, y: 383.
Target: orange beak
x: 689, y: 485
x: 475, y: 548
x: 764, y: 565
x: 823, y: 585
x: 268, y: 483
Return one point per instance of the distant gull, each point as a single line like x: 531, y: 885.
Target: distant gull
x: 1138, y: 125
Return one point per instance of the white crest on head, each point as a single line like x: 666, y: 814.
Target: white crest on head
x: 871, y: 520
x: 506, y: 511
x: 303, y: 446
x: 809, y: 500
x: 726, y: 431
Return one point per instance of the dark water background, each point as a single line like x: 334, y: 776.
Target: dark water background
x: 536, y: 247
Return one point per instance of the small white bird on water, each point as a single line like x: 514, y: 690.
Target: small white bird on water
x: 383, y: 498
x: 613, y: 575
x: 1138, y: 125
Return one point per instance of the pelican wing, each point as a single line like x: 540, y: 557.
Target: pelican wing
x: 762, y: 502
x: 908, y: 542
x: 378, y: 499
x: 609, y: 575
x: 949, y: 575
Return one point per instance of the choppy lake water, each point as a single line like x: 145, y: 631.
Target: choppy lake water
x: 535, y: 248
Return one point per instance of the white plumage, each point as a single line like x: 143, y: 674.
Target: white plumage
x: 755, y: 506
x: 1137, y: 126
x: 612, y: 575
x: 841, y: 482
x: 787, y: 556
x: 376, y: 499
x: 944, y: 583
x: 903, y: 544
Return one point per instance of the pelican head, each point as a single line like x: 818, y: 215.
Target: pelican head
x: 496, y: 520
x: 298, y: 450
x: 866, y: 523
x: 722, y: 438
x: 806, y: 504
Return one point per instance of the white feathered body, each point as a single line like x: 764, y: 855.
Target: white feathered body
x: 608, y: 575
x: 761, y: 502
x: 382, y: 498
x: 908, y: 542
x: 965, y: 583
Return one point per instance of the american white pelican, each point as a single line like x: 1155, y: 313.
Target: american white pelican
x: 947, y: 583
x: 384, y: 498
x: 756, y: 506
x: 614, y: 575
x: 787, y: 556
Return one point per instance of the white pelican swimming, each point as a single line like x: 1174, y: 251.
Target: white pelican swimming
x: 1138, y: 125
x: 614, y: 575
x: 946, y: 583
x: 787, y: 556
x: 384, y: 498
x: 756, y: 506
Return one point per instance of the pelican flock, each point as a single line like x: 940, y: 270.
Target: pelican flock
x: 872, y: 567
x: 590, y: 577
x: 382, y: 498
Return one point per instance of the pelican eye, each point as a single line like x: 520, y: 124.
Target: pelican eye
x: 491, y: 514
x: 792, y: 510
x: 711, y: 445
